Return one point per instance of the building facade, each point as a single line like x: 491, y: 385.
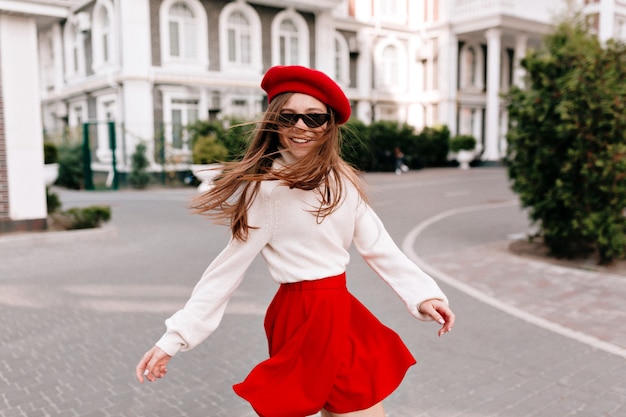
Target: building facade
x: 154, y: 66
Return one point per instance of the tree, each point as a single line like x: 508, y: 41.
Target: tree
x: 566, y: 152
x: 139, y: 177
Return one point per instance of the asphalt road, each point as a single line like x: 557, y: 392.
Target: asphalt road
x: 77, y: 311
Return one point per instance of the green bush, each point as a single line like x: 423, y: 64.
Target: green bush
x: 207, y: 140
x: 432, y: 146
x: 370, y: 148
x: 82, y: 218
x: 50, y: 153
x: 462, y: 143
x: 53, y: 202
x: 208, y: 150
x: 71, y: 174
x: 236, y: 137
x: 384, y: 137
x: 139, y: 177
x: 354, y: 146
x: 566, y: 149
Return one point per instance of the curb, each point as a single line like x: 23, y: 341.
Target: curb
x: 64, y: 236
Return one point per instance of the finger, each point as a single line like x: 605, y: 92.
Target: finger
x: 142, y: 365
x: 150, y: 376
x: 449, y: 319
x: 432, y: 309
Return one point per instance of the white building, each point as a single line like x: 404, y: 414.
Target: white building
x: 153, y: 66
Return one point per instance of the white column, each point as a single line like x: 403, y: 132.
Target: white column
x: 607, y: 20
x: 521, y: 43
x: 136, y: 85
x: 448, y: 50
x: 492, y: 152
x: 364, y: 77
x: 22, y: 117
x: 325, y: 43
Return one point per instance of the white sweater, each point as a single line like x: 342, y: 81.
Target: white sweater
x: 297, y: 248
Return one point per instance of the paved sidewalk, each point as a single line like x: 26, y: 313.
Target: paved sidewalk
x: 78, y: 309
x: 582, y: 304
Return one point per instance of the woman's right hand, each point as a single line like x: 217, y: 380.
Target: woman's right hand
x: 152, y: 365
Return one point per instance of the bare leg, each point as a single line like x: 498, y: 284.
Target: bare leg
x: 375, y: 411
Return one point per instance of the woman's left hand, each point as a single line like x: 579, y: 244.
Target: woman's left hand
x: 440, y: 312
x: 152, y: 365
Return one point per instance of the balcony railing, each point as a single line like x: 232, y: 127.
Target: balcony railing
x: 303, y: 4
x: 536, y: 10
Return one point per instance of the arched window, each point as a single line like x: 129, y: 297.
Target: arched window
x: 103, y: 33
x: 74, y: 50
x: 47, y: 59
x: 182, y: 39
x: 470, y: 63
x: 184, y: 33
x: 290, y: 39
x: 391, y: 65
x: 472, y: 67
x: 240, y: 38
x: 342, y: 60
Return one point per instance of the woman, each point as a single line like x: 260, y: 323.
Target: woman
x: 294, y: 200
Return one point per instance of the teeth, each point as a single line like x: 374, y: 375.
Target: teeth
x: 297, y: 140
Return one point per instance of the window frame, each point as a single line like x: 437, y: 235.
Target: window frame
x: 171, y: 95
x: 103, y: 55
x: 478, y: 68
x: 255, y: 31
x: 341, y: 61
x: 302, y: 41
x: 201, y: 59
x: 402, y: 66
x: 74, y: 45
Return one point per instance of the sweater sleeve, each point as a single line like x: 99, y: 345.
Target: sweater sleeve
x: 378, y: 249
x: 205, y: 308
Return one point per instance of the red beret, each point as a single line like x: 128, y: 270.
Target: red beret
x: 297, y: 79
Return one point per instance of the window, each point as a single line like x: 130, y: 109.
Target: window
x: 239, y: 43
x: 184, y: 34
x: 391, y: 65
x: 103, y: 43
x: 240, y: 38
x: 592, y: 21
x: 184, y: 112
x: 471, y: 67
x: 620, y: 29
x: 182, y: 31
x: 77, y: 114
x: 47, y: 60
x: 74, y: 50
x: 342, y: 60
x: 106, y: 111
x: 290, y: 45
x: 105, y: 39
x: 470, y: 63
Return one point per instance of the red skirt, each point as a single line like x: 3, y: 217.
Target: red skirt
x: 327, y: 350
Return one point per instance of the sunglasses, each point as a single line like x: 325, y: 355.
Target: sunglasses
x: 311, y: 119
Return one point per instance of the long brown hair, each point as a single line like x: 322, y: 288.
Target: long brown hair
x: 321, y: 170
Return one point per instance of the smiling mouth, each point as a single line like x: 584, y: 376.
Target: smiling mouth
x: 300, y: 141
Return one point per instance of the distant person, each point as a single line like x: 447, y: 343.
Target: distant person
x: 295, y: 201
x: 400, y: 165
